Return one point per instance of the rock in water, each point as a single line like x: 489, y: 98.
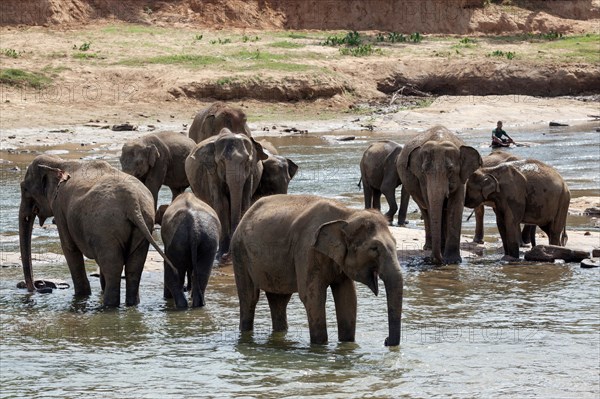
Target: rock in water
x: 549, y: 253
x: 589, y: 263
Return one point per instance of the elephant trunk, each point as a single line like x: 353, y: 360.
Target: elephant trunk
x: 437, y: 192
x: 26, y: 220
x: 235, y: 180
x: 393, y: 289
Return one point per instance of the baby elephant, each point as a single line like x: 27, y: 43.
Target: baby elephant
x: 524, y: 191
x: 190, y: 230
x: 305, y: 244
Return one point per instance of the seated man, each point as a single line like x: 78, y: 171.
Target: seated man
x: 497, y: 134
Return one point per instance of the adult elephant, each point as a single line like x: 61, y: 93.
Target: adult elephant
x: 434, y: 167
x: 493, y: 159
x: 224, y: 171
x: 277, y: 172
x: 305, y: 244
x: 158, y: 159
x: 216, y: 117
x: 379, y: 176
x: 524, y: 191
x: 100, y: 212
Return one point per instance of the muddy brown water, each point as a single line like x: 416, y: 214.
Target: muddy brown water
x: 479, y: 329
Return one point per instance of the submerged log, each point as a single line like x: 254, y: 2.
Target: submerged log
x: 549, y: 253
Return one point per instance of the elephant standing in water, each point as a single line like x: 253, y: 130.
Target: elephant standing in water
x: 190, y: 230
x: 216, y: 117
x: 277, y: 173
x: 493, y: 159
x: 101, y: 213
x: 305, y: 244
x: 524, y: 191
x: 158, y: 159
x: 434, y: 167
x: 224, y: 171
x: 379, y: 176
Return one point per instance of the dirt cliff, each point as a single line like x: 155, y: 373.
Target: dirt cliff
x: 426, y: 16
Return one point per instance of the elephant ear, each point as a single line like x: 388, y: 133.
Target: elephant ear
x: 330, y: 240
x: 413, y: 162
x: 153, y: 154
x: 470, y: 161
x: 52, y: 179
x: 292, y: 168
x: 262, y: 155
x: 209, y: 125
x: 489, y: 185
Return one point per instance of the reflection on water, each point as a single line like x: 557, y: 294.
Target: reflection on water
x: 479, y: 329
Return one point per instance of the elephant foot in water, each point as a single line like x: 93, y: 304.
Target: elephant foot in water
x: 224, y: 259
x: 509, y: 258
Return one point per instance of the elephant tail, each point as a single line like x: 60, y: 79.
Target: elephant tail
x: 564, y: 237
x: 359, y: 183
x: 138, y: 220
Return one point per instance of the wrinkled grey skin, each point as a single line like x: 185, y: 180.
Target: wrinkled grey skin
x: 158, y: 159
x: 495, y: 158
x: 379, y: 176
x: 224, y: 171
x: 277, y: 173
x: 216, y: 117
x: 305, y: 244
x: 190, y: 231
x: 100, y: 212
x: 523, y: 191
x: 434, y: 167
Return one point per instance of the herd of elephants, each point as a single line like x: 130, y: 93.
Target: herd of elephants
x: 239, y: 210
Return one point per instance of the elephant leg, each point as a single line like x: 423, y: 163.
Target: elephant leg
x: 315, y: 309
x: 425, y: 216
x: 479, y: 214
x: 377, y: 199
x: 77, y: 269
x: 175, y: 191
x: 390, y: 197
x: 134, y: 266
x: 452, y: 215
x: 511, y: 235
x: 368, y: 195
x: 173, y: 284
x: 553, y: 236
x: 248, y: 296
x: 527, y: 233
x: 344, y: 295
x: 278, y: 305
x: 201, y: 275
x: 404, y: 198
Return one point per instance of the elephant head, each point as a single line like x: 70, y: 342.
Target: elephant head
x: 138, y: 158
x: 235, y: 158
x: 442, y: 168
x: 480, y: 188
x: 224, y: 116
x: 216, y: 117
x: 277, y: 173
x: 365, y: 250
x: 38, y: 193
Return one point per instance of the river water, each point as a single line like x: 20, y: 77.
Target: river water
x: 479, y: 329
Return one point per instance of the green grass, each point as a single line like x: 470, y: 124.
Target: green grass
x: 584, y: 48
x: 9, y: 52
x: 133, y: 29
x: 177, y: 59
x: 86, y: 56
x: 20, y: 78
x: 287, y: 44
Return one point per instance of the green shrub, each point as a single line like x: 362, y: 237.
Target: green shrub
x: 12, y: 53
